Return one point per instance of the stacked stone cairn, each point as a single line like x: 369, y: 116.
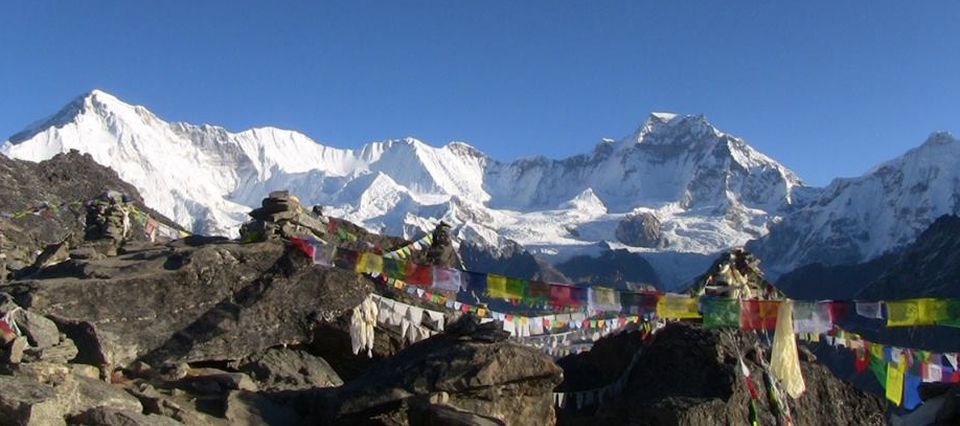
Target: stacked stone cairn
x: 282, y: 216
x: 108, y: 218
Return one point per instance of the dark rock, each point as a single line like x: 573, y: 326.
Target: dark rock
x: 249, y: 408
x: 103, y: 416
x: 217, y: 380
x: 41, y: 332
x: 689, y: 375
x: 191, y: 302
x: 640, y: 230
x: 24, y: 402
x: 155, y: 402
x: 499, y: 379
x: 44, y: 202
x: 15, y: 350
x: 619, y: 268
x: 289, y: 369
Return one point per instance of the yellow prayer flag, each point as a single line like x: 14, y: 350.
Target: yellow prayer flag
x: 497, y: 286
x: 676, y: 306
x: 785, y: 362
x: 894, y: 386
x: 910, y: 312
x: 370, y: 263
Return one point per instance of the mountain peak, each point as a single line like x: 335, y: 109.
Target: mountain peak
x: 95, y: 101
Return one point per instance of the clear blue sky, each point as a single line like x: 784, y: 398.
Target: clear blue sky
x: 828, y: 88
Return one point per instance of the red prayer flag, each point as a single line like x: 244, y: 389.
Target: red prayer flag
x: 758, y: 314
x: 419, y: 275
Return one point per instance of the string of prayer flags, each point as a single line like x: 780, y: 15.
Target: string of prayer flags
x: 642, y: 303
x: 720, y: 312
x: 785, y: 361
x: 675, y: 306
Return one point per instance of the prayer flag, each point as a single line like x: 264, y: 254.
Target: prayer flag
x: 911, y: 391
x: 346, y: 259
x: 538, y: 292
x: 370, y: 263
x: 516, y: 288
x: 894, y: 384
x: 914, y: 312
x: 720, y: 312
x: 811, y: 318
x: 785, y: 362
x: 473, y: 281
x: 603, y: 299
x: 497, y: 286
x: 565, y: 296
x: 419, y: 275
x: 394, y: 268
x: 446, y: 279
x: 678, y: 307
x: 758, y: 314
x: 869, y: 310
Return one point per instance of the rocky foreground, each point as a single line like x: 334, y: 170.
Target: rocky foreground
x: 113, y: 330
x: 209, y: 331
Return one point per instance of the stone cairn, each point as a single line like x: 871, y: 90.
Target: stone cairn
x: 107, y: 226
x: 108, y: 218
x: 441, y: 251
x: 282, y: 216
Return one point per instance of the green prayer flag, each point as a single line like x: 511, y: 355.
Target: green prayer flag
x: 720, y: 312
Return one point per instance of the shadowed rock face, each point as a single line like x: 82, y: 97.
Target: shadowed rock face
x: 690, y: 375
x: 640, y: 230
x: 190, y: 300
x: 470, y: 367
x: 65, y: 181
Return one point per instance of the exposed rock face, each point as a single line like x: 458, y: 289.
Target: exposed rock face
x: 190, y: 300
x: 689, y: 375
x: 43, y: 203
x: 279, y: 369
x: 478, y: 370
x: 640, y: 230
x: 928, y: 267
x: 618, y: 268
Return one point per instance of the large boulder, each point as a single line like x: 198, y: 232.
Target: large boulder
x: 278, y: 369
x: 472, y: 366
x: 690, y: 375
x: 189, y: 300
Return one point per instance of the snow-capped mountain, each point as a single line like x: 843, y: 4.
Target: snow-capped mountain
x: 856, y: 219
x: 708, y: 190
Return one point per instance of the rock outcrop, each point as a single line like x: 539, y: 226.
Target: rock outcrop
x: 282, y: 216
x: 690, y: 375
x: 43, y: 204
x: 640, y: 230
x: 469, y: 369
x: 190, y: 300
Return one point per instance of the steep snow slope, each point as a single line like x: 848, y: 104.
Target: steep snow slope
x: 856, y: 219
x: 709, y: 190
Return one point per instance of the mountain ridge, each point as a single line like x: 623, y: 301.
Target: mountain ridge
x: 707, y: 189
